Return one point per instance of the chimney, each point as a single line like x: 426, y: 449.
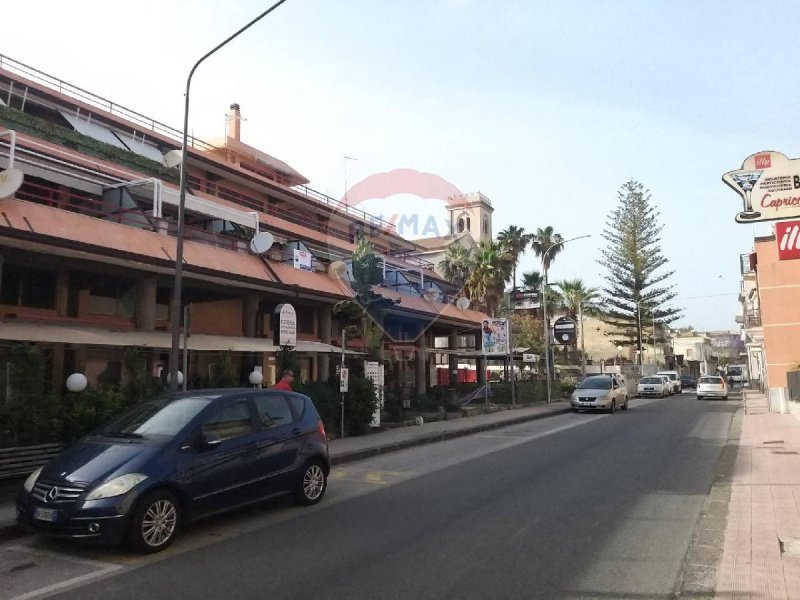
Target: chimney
x: 235, y: 122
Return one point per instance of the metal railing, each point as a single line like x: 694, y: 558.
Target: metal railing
x: 752, y: 318
x: 81, y: 95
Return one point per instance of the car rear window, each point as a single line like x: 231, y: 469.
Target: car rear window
x: 652, y: 380
x: 711, y: 380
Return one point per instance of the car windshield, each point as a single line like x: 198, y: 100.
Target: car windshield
x: 734, y: 370
x: 671, y: 376
x: 595, y: 383
x: 652, y: 380
x: 711, y: 380
x: 158, y: 418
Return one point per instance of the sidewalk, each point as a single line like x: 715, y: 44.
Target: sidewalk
x: 356, y: 448
x: 761, y: 548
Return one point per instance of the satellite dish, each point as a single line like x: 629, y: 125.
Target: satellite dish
x: 10, y: 180
x: 431, y: 295
x: 337, y: 270
x: 173, y: 158
x: 261, y: 242
x: 462, y: 303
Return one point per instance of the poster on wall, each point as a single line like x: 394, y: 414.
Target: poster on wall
x: 284, y: 321
x: 373, y: 371
x: 494, y: 336
x: 302, y: 260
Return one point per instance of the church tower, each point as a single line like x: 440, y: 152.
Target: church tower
x: 471, y: 214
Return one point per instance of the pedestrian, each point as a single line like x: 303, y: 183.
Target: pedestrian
x: 286, y: 381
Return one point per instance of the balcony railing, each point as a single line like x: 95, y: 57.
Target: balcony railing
x: 752, y: 318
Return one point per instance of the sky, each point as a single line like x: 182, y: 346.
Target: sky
x: 547, y: 108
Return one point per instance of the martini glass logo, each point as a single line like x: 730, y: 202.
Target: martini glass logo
x: 746, y: 180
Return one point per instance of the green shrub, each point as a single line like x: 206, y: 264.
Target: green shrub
x: 359, y: 406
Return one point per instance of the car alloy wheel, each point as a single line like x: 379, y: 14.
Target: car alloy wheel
x: 155, y: 522
x: 311, y: 485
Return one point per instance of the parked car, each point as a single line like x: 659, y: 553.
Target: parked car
x: 712, y: 386
x: 675, y: 379
x: 599, y: 392
x: 167, y: 462
x: 687, y: 382
x: 658, y: 387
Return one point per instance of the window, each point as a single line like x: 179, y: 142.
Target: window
x: 486, y: 225
x: 230, y: 422
x: 461, y: 225
x: 273, y: 410
x: 469, y: 225
x: 305, y: 319
x: 298, y: 405
x: 28, y: 286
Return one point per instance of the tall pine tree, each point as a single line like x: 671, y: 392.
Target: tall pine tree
x: 634, y: 262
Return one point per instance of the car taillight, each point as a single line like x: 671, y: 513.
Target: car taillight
x: 321, y: 427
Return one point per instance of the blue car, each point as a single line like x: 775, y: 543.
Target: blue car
x: 170, y: 461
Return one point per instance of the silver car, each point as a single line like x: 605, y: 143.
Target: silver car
x: 654, y: 386
x: 599, y: 392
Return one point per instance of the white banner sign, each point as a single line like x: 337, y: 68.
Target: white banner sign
x: 285, y: 325
x: 373, y: 371
x: 302, y: 260
x: 344, y: 379
x: 530, y: 358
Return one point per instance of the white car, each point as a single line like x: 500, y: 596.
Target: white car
x: 675, y: 380
x: 712, y: 386
x: 653, y: 386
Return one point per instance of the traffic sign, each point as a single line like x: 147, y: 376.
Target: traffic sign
x: 565, y: 331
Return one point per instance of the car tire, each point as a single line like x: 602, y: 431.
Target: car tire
x: 725, y: 397
x: 311, y: 483
x: 699, y: 397
x: 625, y: 406
x: 155, y: 522
x: 613, y: 407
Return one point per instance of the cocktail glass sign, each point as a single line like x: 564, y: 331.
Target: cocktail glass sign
x: 769, y: 184
x: 284, y: 325
x: 495, y: 336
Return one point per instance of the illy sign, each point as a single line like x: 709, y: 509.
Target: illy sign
x: 787, y: 235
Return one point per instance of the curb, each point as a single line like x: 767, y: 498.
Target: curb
x: 440, y: 436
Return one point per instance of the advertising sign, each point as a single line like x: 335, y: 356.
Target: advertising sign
x: 565, y: 331
x: 769, y: 185
x: 530, y: 358
x: 373, y: 371
x: 302, y: 260
x: 284, y: 325
x: 787, y: 236
x: 344, y: 378
x: 525, y: 299
x: 495, y: 336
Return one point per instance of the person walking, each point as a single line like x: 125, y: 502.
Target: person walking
x: 286, y: 381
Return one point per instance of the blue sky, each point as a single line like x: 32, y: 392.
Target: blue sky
x: 547, y: 108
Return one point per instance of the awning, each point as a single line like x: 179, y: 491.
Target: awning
x: 94, y: 336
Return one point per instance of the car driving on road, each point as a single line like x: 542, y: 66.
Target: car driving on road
x: 170, y: 461
x: 688, y: 382
x: 599, y: 392
x: 674, y: 378
x: 654, y: 386
x: 712, y: 386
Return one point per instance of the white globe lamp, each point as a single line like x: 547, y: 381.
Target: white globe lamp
x: 77, y: 382
x: 256, y: 378
x: 180, y: 378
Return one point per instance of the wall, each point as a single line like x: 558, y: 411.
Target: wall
x: 779, y: 292
x: 223, y: 317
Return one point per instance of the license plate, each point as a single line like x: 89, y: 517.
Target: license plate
x: 45, y: 514
x: 648, y: 389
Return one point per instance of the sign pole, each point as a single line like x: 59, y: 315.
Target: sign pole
x: 511, y: 356
x: 341, y: 376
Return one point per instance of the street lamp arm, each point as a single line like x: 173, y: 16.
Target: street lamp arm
x: 175, y: 310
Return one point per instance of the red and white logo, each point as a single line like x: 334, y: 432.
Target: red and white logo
x: 763, y: 161
x: 787, y: 234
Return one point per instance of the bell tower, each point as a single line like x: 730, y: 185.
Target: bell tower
x: 471, y: 214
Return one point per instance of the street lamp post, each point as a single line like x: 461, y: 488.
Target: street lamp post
x: 175, y: 311
x: 544, y: 308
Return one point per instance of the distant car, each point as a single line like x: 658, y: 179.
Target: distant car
x: 675, y: 378
x: 658, y: 387
x: 712, y: 386
x: 600, y: 392
x: 166, y: 462
x: 688, y: 382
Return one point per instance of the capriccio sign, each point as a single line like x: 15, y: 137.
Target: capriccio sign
x: 769, y: 185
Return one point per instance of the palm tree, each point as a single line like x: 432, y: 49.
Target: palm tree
x: 532, y: 280
x: 457, y: 264
x: 576, y: 299
x: 487, y: 280
x: 514, y: 242
x: 542, y: 241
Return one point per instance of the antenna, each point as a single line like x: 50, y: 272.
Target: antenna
x: 173, y: 158
x: 337, y: 270
x: 462, y: 303
x: 261, y: 242
x: 10, y: 181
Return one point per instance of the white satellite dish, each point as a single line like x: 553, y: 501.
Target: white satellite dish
x: 10, y: 180
x: 337, y: 270
x: 462, y: 303
x: 261, y: 242
x: 173, y: 158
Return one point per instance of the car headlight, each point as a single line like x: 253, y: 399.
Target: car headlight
x: 117, y: 486
x: 31, y: 480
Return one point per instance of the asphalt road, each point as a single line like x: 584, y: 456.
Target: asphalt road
x: 574, y: 506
